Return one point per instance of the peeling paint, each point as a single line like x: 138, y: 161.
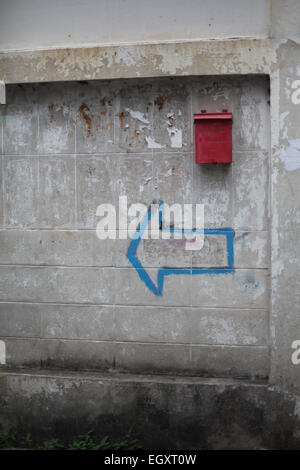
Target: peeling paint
x: 175, y: 137
x: 290, y: 156
x: 83, y: 111
x: 138, y: 115
x: 152, y: 144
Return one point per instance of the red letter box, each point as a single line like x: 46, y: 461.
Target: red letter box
x: 213, y: 137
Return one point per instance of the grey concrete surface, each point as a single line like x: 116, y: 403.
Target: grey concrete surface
x: 72, y: 300
x: 76, y: 23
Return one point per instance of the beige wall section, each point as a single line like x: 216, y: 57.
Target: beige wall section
x: 36, y: 24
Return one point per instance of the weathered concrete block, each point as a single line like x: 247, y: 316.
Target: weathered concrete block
x: 134, y: 178
x: 240, y: 327
x: 160, y: 253
x: 59, y: 354
x: 20, y: 320
x: 95, y: 185
x: 95, y: 118
x: 120, y: 250
x: 134, y: 118
x: 214, y: 94
x: 132, y: 291
x: 20, y: 129
x: 20, y: 120
x: 57, y: 247
x: 138, y: 324
x: 212, y: 254
x: 212, y: 186
x: 173, y: 178
x: 191, y: 325
x: 21, y: 191
x: 77, y: 322
x: 171, y: 118
x: 56, y: 118
x: 221, y: 361
x: 200, y: 360
x: 152, y: 358
x: 57, y: 191
x: 243, y: 288
x: 63, y: 248
x: 250, y: 190
x: 23, y: 352
x: 93, y: 355
x: 247, y: 362
x: 20, y: 247
x: 251, y: 249
x: 22, y: 93
x: 289, y: 201
x: 251, y: 122
x: 248, y: 100
x: 50, y: 284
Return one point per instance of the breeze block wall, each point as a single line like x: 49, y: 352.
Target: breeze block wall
x: 70, y: 300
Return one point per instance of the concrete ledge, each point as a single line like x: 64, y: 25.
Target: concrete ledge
x: 214, y: 57
x: 164, y: 412
x: 249, y: 362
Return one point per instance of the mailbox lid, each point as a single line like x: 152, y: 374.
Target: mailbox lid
x: 204, y: 116
x: 213, y: 137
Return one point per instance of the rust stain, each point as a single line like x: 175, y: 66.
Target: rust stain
x: 91, y: 170
x: 87, y: 118
x: 122, y: 115
x: 104, y: 101
x: 69, y: 233
x: 160, y: 101
x: 171, y: 121
x: 51, y: 110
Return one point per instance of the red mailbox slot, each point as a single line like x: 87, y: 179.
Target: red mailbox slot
x: 213, y: 137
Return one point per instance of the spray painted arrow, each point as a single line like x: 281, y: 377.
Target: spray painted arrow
x: 162, y: 272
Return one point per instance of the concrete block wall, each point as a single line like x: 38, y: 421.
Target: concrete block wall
x: 69, y: 300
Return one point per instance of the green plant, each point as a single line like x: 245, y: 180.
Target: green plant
x: 7, y: 440
x: 51, y: 445
x: 27, y: 442
x: 127, y: 444
x: 84, y: 442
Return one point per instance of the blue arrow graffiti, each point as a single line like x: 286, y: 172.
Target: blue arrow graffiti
x: 162, y: 272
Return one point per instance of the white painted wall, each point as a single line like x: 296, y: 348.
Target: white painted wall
x: 36, y: 24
